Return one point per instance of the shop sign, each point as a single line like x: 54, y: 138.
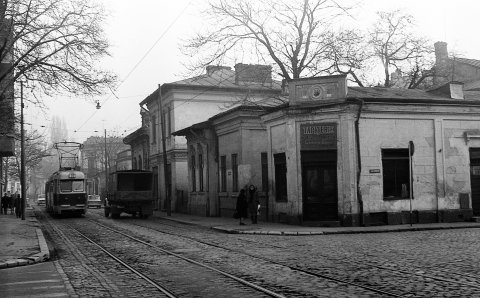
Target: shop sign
x: 318, y: 136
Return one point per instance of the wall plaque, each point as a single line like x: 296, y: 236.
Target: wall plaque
x: 318, y: 136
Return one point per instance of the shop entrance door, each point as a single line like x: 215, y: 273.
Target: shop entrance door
x: 320, y: 196
x: 475, y: 179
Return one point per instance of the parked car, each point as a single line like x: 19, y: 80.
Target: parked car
x: 41, y: 200
x: 94, y: 201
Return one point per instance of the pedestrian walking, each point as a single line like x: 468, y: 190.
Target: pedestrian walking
x: 3, y: 202
x: 11, y: 203
x: 241, y: 208
x: 18, y: 206
x: 253, y: 203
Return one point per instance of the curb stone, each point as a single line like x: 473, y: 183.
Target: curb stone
x: 42, y: 256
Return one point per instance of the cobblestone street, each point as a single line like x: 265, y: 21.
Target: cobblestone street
x: 442, y: 263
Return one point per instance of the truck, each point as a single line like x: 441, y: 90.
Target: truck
x: 131, y: 192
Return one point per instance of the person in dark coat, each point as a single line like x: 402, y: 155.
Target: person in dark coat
x: 18, y: 206
x: 253, y: 203
x: 4, y: 201
x: 242, y: 205
x: 11, y: 203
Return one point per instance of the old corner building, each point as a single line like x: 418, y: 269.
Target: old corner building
x: 338, y: 155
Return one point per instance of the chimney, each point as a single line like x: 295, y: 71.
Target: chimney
x: 442, y: 66
x: 453, y: 89
x: 213, y: 68
x: 441, y: 52
x: 246, y: 74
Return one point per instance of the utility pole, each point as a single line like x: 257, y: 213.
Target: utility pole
x: 106, y: 169
x: 22, y: 154
x: 411, y: 150
x: 164, y: 148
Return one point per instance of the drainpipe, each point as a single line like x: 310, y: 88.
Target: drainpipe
x: 359, y: 160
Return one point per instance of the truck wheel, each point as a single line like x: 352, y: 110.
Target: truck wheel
x: 115, y: 215
x: 107, y: 211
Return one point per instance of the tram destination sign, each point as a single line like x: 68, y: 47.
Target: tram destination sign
x: 318, y: 136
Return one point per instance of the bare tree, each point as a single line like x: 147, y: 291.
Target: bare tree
x: 351, y: 55
x: 293, y: 36
x: 401, y: 49
x: 35, y: 151
x: 54, y: 44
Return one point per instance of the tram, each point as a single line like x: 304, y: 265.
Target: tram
x: 65, y: 193
x: 65, y: 190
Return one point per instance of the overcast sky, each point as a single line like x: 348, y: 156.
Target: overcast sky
x: 146, y: 34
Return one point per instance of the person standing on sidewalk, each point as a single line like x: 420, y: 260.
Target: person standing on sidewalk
x: 253, y: 203
x: 18, y: 206
x: 241, y: 210
x: 2, y: 202
x: 5, y: 200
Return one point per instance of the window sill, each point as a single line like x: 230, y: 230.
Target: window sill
x: 395, y: 198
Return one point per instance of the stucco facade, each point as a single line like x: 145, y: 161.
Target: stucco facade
x: 442, y: 124
x: 225, y: 155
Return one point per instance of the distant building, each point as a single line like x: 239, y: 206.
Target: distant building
x: 124, y: 160
x: 96, y: 152
x: 449, y: 68
x: 139, y: 143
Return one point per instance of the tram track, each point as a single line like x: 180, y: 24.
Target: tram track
x: 155, y: 284
x: 55, y: 226
x: 418, y: 273
x: 157, y: 248
x: 380, y: 292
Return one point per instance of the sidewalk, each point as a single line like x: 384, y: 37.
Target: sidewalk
x: 21, y: 241
x: 231, y: 226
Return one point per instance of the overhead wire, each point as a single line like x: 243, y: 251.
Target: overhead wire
x: 140, y: 61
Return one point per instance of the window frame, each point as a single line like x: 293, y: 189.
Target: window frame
x: 234, y: 172
x: 396, y: 162
x: 223, y: 173
x: 193, y: 172
x: 280, y: 168
x: 200, y: 171
x: 154, y: 129
x: 264, y: 167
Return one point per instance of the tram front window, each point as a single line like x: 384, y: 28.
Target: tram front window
x: 71, y: 185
